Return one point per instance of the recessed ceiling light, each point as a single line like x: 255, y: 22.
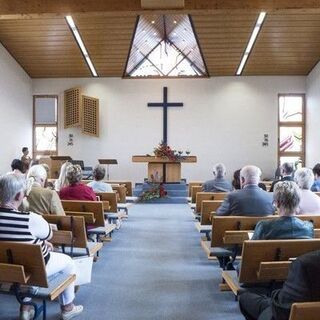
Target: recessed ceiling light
x: 251, y: 42
x: 152, y: 21
x: 81, y: 45
x: 154, y: 33
x: 175, y: 21
x: 174, y: 34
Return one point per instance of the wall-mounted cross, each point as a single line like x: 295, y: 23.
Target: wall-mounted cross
x: 165, y: 105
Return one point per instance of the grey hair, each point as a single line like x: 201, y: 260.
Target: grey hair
x: 219, y: 170
x: 251, y: 174
x: 74, y: 174
x: 304, y: 178
x: 99, y: 172
x: 10, y: 185
x: 287, y: 196
x: 35, y: 174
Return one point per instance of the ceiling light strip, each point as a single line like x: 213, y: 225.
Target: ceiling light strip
x: 251, y: 42
x: 81, y: 45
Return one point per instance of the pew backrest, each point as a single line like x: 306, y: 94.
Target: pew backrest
x: 96, y: 207
x: 207, y: 207
x: 73, y: 224
x: 110, y: 197
x: 305, y: 311
x: 264, y: 260
x: 192, y: 184
x: 128, y: 185
x: 194, y: 191
x: 201, y: 196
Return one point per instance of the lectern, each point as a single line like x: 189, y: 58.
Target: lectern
x: 54, y: 163
x: 108, y: 162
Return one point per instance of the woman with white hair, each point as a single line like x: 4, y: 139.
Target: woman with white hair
x: 310, y: 202
x: 98, y: 185
x: 40, y: 199
x: 286, y: 197
x: 28, y: 227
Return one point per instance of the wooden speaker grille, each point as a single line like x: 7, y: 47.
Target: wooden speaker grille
x: 72, y: 107
x: 90, y: 118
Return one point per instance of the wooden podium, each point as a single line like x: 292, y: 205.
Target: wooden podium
x: 54, y: 163
x: 169, y: 170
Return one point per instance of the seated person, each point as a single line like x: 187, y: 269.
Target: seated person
x: 36, y: 231
x: 316, y: 184
x: 40, y: 199
x: 250, y: 200
x: 47, y: 184
x: 286, y: 171
x: 62, y: 181
x: 76, y: 190
x: 302, y: 285
x: 219, y: 183
x: 237, y: 185
x: 98, y: 185
x: 286, y: 198
x: 17, y: 166
x: 309, y: 202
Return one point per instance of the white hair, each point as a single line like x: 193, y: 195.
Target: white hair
x: 287, y: 196
x: 219, y: 170
x: 10, y: 186
x: 304, y: 178
x: 36, y: 173
x: 250, y: 174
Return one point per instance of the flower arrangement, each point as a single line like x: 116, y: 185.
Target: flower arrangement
x: 163, y: 150
x: 156, y: 189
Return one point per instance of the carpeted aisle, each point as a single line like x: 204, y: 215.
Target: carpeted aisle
x: 153, y: 269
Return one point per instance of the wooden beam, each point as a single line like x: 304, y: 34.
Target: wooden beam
x: 14, y: 9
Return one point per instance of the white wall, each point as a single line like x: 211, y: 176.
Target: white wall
x: 15, y: 110
x: 223, y: 119
x: 313, y: 117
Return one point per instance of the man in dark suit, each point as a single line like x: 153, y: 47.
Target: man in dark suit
x: 286, y: 172
x: 302, y: 285
x: 250, y: 200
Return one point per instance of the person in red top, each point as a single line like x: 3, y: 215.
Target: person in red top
x: 76, y: 190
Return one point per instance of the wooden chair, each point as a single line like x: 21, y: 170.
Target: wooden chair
x: 305, y: 311
x: 22, y: 268
x: 87, y: 209
x: 71, y: 233
x: 266, y: 261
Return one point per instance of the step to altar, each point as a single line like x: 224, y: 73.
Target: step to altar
x: 176, y: 192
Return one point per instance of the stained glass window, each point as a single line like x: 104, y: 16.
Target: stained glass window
x: 291, y: 146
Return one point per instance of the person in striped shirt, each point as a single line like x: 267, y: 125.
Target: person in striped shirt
x: 29, y: 227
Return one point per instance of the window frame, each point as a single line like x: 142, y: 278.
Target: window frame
x: 302, y: 124
x: 36, y: 153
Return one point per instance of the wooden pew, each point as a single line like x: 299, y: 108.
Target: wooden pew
x: 267, y: 183
x: 71, y: 233
x: 305, y: 311
x: 121, y: 190
x: 127, y: 184
x: 23, y: 265
x: 266, y: 261
x: 190, y: 185
x: 194, y: 191
x: 82, y: 208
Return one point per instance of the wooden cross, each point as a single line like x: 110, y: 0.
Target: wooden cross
x: 165, y: 105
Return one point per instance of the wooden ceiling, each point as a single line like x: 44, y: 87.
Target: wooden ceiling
x: 38, y: 37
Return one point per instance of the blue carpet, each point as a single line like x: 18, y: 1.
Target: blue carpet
x: 154, y: 269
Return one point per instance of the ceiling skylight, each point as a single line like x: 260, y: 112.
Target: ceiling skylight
x: 165, y: 46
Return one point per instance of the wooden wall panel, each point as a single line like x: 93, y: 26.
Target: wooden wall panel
x: 90, y: 116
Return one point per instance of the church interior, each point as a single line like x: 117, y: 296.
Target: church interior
x: 159, y: 159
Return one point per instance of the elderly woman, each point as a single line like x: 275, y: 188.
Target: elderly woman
x: 98, y: 185
x: 286, y: 197
x: 40, y: 199
x: 35, y: 230
x: 76, y: 190
x: 309, y: 202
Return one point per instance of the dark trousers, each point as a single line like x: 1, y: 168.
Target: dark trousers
x: 255, y: 305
